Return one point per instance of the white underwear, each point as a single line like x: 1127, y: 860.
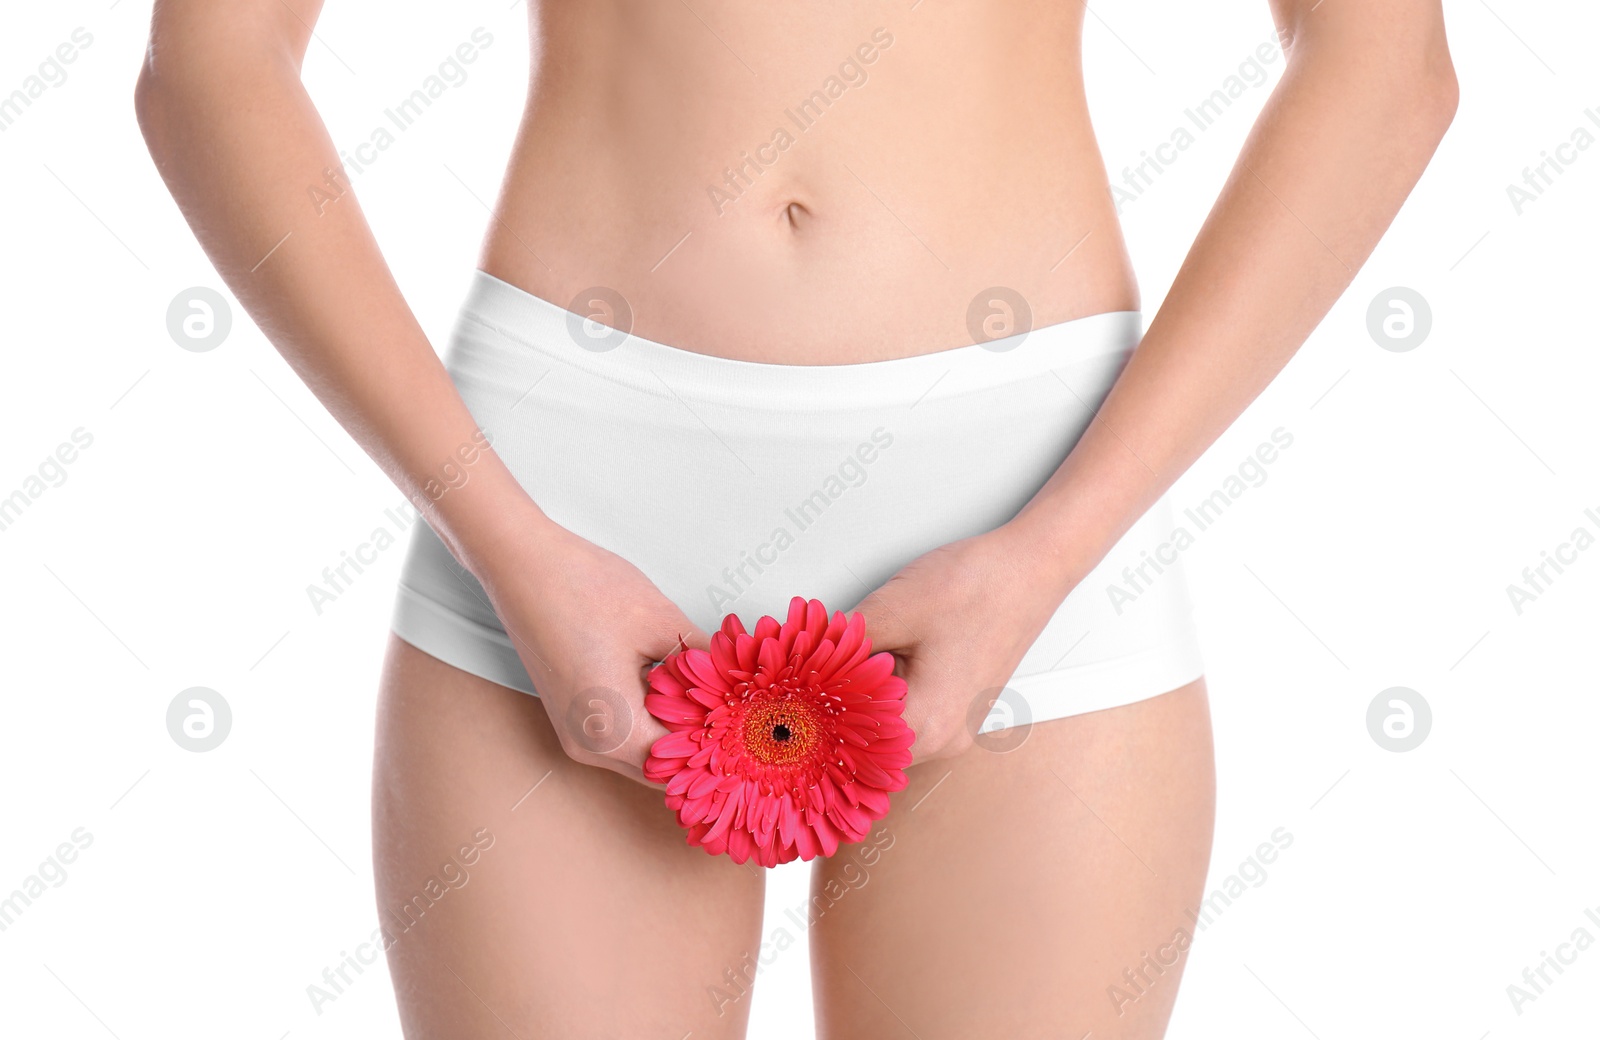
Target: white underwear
x: 736, y: 485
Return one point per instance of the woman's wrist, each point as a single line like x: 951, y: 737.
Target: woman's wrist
x: 484, y: 516
x: 1049, y: 559
x: 1067, y: 528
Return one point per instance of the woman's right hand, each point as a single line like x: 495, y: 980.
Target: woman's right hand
x: 588, y: 626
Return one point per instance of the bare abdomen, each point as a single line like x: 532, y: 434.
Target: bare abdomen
x: 811, y: 187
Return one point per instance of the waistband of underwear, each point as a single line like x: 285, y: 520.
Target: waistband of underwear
x: 556, y: 335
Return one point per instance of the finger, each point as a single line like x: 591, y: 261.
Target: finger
x: 885, y: 628
x: 920, y: 714
x: 635, y: 754
x: 693, y: 636
x: 644, y: 730
x: 600, y: 718
x: 864, y: 604
x: 624, y: 769
x: 677, y: 634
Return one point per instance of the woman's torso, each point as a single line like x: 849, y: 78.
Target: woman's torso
x: 811, y: 184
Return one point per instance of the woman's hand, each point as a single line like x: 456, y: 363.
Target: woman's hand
x: 959, y: 620
x: 588, y: 626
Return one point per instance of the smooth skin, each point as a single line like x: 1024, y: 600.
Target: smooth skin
x: 587, y: 917
x: 1019, y: 884
x: 925, y: 183
x: 1006, y: 892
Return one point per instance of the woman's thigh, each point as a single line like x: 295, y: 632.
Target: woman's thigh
x: 1030, y: 893
x: 521, y: 891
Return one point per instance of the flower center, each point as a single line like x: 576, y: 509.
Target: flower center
x: 781, y: 731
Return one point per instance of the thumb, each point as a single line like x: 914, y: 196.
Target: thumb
x: 886, y: 628
x: 677, y: 633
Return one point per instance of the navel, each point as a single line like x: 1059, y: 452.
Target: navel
x: 795, y: 214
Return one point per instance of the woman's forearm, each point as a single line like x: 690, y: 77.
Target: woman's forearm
x: 239, y: 143
x: 1367, y: 95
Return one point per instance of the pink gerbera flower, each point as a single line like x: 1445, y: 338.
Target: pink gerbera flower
x: 785, y: 743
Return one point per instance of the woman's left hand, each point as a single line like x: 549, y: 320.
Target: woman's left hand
x: 959, y: 620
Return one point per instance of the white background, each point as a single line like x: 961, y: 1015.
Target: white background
x: 177, y: 553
